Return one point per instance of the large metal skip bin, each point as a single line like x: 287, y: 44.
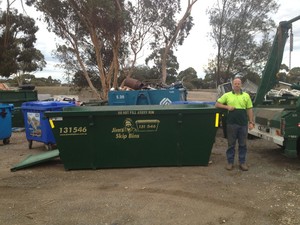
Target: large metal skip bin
x: 134, y: 136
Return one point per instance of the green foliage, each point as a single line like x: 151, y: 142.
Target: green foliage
x: 17, y: 51
x: 187, y: 75
x: 92, y: 32
x: 168, y: 33
x: 172, y: 63
x: 165, y: 12
x: 253, y: 77
x: 143, y: 73
x: 80, y: 81
x: 189, y: 78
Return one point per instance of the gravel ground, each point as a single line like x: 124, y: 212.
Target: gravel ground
x: 267, y: 194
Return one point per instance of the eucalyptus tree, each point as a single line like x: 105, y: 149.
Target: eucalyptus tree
x: 189, y: 78
x: 18, y: 54
x: 241, y: 31
x: 187, y: 74
x: 91, y: 31
x: 169, y: 32
x: 101, y: 35
x: 142, y: 20
x: 156, y: 23
x: 171, y: 64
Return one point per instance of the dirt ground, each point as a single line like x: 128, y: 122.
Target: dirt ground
x: 267, y: 194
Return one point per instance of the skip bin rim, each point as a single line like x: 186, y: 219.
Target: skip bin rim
x: 129, y: 109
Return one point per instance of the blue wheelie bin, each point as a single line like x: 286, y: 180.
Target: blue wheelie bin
x: 5, y: 122
x: 37, y: 126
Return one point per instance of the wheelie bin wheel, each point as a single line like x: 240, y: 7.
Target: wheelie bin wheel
x: 30, y: 144
x: 48, y: 146
x: 6, y: 141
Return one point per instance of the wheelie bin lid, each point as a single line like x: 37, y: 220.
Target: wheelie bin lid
x: 46, y: 105
x: 5, y: 105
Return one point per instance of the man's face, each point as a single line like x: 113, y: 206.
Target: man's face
x: 237, y: 84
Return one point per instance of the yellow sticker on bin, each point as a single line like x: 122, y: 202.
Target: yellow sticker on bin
x: 217, y: 120
x: 51, y: 124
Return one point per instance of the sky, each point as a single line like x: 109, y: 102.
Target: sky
x: 197, y: 48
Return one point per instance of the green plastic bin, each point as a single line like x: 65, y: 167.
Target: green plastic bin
x: 17, y: 97
x: 134, y: 136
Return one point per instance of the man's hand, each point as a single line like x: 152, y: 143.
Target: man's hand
x: 230, y: 108
x: 251, y: 126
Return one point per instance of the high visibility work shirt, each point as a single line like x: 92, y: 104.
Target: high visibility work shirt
x: 241, y: 102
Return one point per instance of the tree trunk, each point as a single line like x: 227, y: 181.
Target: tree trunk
x: 173, y: 39
x: 218, y: 80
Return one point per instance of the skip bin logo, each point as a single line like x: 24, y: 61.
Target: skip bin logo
x: 132, y: 130
x: 165, y: 101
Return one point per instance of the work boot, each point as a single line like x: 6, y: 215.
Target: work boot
x: 229, y: 166
x: 244, y: 167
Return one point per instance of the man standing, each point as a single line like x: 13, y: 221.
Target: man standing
x: 239, y: 106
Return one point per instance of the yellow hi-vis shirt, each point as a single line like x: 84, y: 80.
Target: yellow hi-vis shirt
x: 241, y: 102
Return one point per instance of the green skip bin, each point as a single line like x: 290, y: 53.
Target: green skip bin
x: 94, y: 137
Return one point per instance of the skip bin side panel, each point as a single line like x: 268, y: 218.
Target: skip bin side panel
x: 72, y: 134
x: 197, y: 138
x: 136, y: 141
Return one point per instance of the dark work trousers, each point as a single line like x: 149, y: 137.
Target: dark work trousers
x: 236, y: 133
